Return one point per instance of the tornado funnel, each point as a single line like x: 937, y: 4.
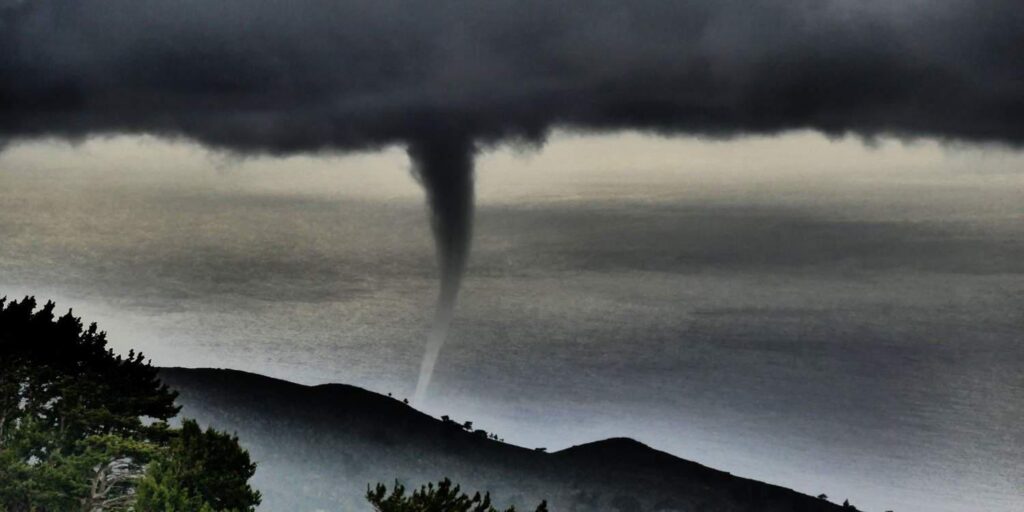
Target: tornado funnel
x: 444, y: 166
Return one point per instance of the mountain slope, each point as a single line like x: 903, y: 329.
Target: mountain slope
x: 318, y: 447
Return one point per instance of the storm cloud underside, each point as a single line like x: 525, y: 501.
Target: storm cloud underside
x: 444, y: 78
x: 284, y: 76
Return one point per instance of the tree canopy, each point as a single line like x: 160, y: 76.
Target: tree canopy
x: 444, y: 497
x: 82, y: 427
x: 200, y: 469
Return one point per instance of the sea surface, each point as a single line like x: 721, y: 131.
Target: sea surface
x: 870, y: 356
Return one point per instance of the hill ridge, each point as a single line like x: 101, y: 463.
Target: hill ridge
x: 319, y: 446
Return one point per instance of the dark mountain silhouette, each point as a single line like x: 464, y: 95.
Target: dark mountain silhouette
x: 318, y: 447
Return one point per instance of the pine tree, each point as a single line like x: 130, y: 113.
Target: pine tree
x: 80, y: 427
x: 200, y: 468
x: 444, y: 497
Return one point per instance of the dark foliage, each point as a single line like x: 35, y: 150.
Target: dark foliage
x: 445, y: 497
x: 200, y: 468
x: 66, y: 379
x: 80, y: 426
x: 77, y: 422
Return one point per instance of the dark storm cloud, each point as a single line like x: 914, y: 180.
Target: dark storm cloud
x: 443, y: 77
x: 283, y: 76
